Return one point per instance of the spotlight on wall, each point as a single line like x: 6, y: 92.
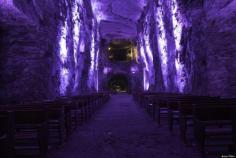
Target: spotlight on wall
x: 106, y: 70
x: 134, y: 69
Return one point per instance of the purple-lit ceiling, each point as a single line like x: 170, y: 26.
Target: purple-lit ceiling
x: 118, y: 18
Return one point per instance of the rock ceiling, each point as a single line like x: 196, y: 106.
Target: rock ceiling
x: 118, y: 18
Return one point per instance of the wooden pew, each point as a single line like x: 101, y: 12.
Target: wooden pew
x: 7, y: 134
x: 185, y: 107
x: 30, y: 125
x: 213, y: 126
x: 29, y: 130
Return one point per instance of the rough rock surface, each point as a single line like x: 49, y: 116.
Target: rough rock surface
x: 27, y: 54
x: 29, y: 49
x: 118, y: 18
x: 211, y: 45
x: 208, y: 47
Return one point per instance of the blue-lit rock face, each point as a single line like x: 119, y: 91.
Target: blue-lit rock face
x: 192, y: 45
x: 118, y: 18
x: 211, y: 40
x: 44, y: 48
x: 27, y: 50
x: 52, y: 48
x: 78, y: 42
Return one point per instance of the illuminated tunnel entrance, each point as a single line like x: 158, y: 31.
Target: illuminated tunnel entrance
x: 119, y: 83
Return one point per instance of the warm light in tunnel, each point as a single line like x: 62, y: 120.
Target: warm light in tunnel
x: 134, y: 52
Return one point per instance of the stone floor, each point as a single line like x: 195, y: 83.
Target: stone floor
x: 121, y: 129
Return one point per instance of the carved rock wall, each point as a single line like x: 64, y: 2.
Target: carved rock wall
x: 208, y: 49
x: 29, y: 48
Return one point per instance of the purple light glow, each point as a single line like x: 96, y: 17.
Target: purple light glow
x: 63, y: 54
x: 96, y: 69
x: 6, y: 3
x: 145, y: 80
x: 177, y: 24
x: 142, y: 52
x: 98, y: 11
x: 76, y: 29
x: 134, y: 69
x: 162, y: 42
x: 177, y: 31
x: 94, y: 56
x: 106, y: 70
x: 147, y: 59
x: 146, y: 38
x: 147, y: 45
x: 92, y: 62
x: 82, y: 45
x: 64, y: 80
x: 144, y: 61
x: 62, y: 43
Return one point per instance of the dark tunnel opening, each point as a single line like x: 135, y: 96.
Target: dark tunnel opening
x: 118, y: 83
x: 120, y: 51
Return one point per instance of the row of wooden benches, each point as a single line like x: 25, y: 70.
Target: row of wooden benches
x: 33, y: 128
x: 213, y: 119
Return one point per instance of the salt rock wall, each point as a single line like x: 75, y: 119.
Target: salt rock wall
x: 196, y: 41
x: 30, y: 65
x: 27, y: 52
x: 221, y: 47
x: 210, y: 46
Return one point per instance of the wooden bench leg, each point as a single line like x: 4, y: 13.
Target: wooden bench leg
x: 43, y: 140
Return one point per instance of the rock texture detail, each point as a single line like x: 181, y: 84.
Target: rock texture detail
x: 30, y: 62
x: 207, y: 54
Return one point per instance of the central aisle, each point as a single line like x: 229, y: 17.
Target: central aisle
x: 122, y: 130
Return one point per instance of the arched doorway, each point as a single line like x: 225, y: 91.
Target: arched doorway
x: 118, y: 83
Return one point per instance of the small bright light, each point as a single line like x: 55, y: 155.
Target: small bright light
x: 106, y: 70
x: 64, y: 80
x: 63, y: 44
x: 134, y: 69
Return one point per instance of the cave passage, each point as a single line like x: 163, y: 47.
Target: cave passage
x: 62, y: 60
x: 120, y: 50
x: 118, y: 83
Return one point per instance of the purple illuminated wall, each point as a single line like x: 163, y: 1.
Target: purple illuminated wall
x: 94, y: 56
x: 186, y: 48
x: 146, y: 54
x: 160, y: 47
x: 84, y: 39
x: 46, y: 48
